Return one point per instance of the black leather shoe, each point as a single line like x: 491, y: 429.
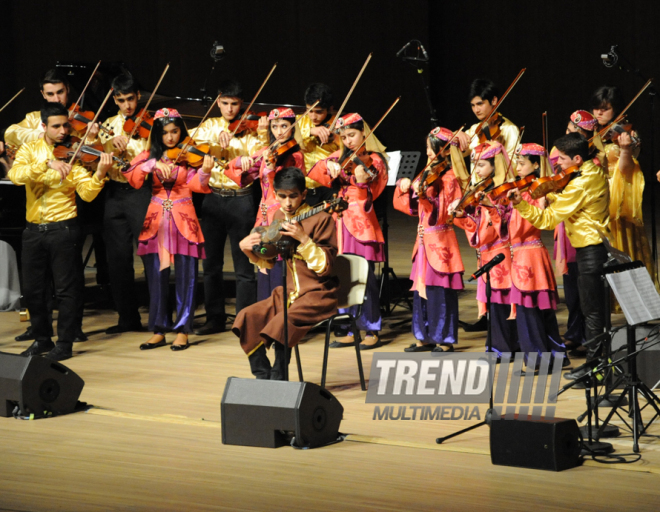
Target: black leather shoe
x: 80, y: 336
x: 61, y: 352
x: 149, y: 346
x: 119, y: 328
x: 26, y: 336
x: 177, y: 348
x: 443, y: 348
x: 38, y: 347
x: 212, y: 327
x: 419, y: 348
x: 575, y: 374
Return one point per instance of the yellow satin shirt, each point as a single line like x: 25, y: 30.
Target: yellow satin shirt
x: 50, y: 199
x: 312, y: 150
x: 30, y: 129
x: 245, y: 144
x: 134, y: 148
x: 583, y: 206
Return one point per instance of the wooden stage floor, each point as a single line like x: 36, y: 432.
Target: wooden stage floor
x: 152, y: 439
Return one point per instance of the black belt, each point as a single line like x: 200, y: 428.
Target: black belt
x: 231, y: 192
x: 51, y: 226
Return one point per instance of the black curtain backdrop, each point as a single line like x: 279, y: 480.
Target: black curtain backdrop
x: 559, y: 43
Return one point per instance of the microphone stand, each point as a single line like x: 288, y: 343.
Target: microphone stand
x: 285, y: 246
x: 628, y: 68
x: 488, y: 418
x: 417, y: 62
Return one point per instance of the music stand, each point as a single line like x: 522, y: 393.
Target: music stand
x: 640, y: 303
x: 403, y: 164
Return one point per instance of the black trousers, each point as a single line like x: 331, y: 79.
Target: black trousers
x: 125, y: 210
x: 590, y: 261
x: 223, y: 217
x: 53, y: 249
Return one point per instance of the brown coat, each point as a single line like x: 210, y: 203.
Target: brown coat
x: 316, y: 293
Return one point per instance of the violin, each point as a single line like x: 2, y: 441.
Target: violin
x: 143, y: 129
x: 80, y: 119
x: 327, y: 124
x: 249, y: 122
x: 431, y: 175
x: 279, y: 149
x: 620, y: 127
x: 194, y: 153
x: 273, y: 243
x: 363, y: 158
x: 472, y: 196
x: 542, y: 186
x: 521, y: 183
x: 87, y: 154
x: 492, y: 130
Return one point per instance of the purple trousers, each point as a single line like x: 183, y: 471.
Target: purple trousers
x: 266, y: 283
x: 160, y: 315
x: 435, y: 319
x: 538, y: 331
x: 503, y: 332
x: 370, y: 319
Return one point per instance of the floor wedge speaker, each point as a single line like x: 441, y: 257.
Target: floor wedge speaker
x: 266, y: 412
x: 551, y: 444
x: 37, y: 385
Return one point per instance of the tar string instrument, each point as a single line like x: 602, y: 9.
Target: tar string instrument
x: 274, y: 242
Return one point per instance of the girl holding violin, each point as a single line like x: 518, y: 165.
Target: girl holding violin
x: 171, y: 231
x: 533, y: 285
x: 625, y: 177
x: 264, y: 165
x: 361, y: 178
x: 486, y: 226
x: 437, y: 269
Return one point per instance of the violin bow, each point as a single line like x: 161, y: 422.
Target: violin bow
x: 144, y: 110
x: 192, y: 137
x: 73, y: 109
x: 520, y: 136
x: 341, y: 109
x: 82, y: 142
x: 15, y: 96
x: 247, y: 110
x: 371, y: 132
x: 442, y: 150
x: 621, y: 115
x: 500, y: 100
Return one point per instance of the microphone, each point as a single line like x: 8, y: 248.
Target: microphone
x: 259, y: 249
x: 495, y: 261
x: 426, y: 55
x: 398, y: 54
x: 611, y: 58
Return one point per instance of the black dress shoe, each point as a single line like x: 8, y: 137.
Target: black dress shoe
x: 61, y: 352
x: 119, y: 328
x: 443, y: 348
x: 177, y: 348
x: 212, y: 327
x: 417, y: 348
x: 26, y: 336
x: 80, y: 336
x: 149, y: 346
x: 38, y: 347
x: 479, y: 326
x: 575, y: 374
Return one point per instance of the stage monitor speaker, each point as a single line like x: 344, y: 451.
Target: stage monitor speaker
x: 37, y: 385
x: 551, y: 444
x: 266, y: 412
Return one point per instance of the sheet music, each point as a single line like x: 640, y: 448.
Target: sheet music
x: 636, y: 294
x: 394, y: 163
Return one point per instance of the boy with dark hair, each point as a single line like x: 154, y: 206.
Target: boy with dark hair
x: 318, y: 143
x: 484, y: 96
x: 125, y: 207
x: 51, y: 237
x: 230, y: 210
x: 311, y: 288
x: 54, y: 88
x: 583, y: 206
